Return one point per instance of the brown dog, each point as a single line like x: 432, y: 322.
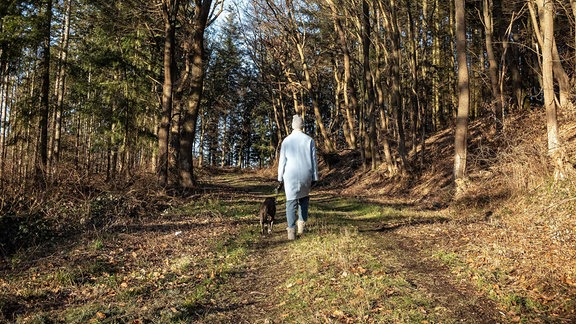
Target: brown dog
x: 267, y: 214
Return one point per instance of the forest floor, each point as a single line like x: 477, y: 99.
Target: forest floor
x: 204, y: 261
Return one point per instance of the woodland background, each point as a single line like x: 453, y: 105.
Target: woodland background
x: 102, y: 89
x: 114, y: 109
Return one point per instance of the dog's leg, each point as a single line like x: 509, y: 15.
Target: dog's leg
x: 270, y: 228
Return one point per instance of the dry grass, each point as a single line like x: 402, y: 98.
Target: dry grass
x: 516, y: 227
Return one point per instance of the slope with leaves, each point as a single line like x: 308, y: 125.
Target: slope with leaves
x: 512, y: 232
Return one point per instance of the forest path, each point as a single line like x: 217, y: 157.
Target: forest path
x: 355, y: 263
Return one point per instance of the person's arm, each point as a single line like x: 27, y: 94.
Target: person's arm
x: 314, y: 161
x: 281, y: 164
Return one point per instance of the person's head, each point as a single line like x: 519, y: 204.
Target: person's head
x: 297, y: 122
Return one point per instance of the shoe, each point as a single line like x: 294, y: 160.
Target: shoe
x: 291, y: 233
x: 300, y: 225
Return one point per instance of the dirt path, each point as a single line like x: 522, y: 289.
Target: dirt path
x: 251, y: 295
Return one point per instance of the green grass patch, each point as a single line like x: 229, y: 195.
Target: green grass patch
x: 338, y: 277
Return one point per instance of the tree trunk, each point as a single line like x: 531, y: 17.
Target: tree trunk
x: 276, y: 103
x: 60, y: 87
x: 42, y: 163
x: 369, y: 145
x: 487, y: 9
x: 558, y: 71
x: 554, y: 149
x: 201, y: 143
x: 4, y: 97
x: 169, y: 13
x: 349, y: 90
x: 460, y: 139
x: 384, y: 129
x: 417, y: 115
x: 185, y: 165
x: 436, y: 59
x: 396, y: 88
x: 328, y: 145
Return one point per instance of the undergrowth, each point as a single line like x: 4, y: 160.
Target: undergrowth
x: 515, y: 229
x: 162, y: 268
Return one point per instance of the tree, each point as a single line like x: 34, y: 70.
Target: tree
x: 199, y: 19
x: 348, y: 87
x: 44, y: 108
x: 60, y: 84
x: 460, y: 138
x: 547, y: 26
x: 169, y: 14
x: 493, y: 68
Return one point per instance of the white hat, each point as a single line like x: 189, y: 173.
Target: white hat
x: 297, y: 122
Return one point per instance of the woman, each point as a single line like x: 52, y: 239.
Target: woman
x: 297, y: 171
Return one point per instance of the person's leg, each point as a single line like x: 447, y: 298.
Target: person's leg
x: 291, y: 212
x: 291, y: 217
x: 303, y: 208
x: 302, y: 213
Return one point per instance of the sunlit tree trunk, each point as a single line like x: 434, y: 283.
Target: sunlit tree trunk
x: 418, y: 117
x: 453, y: 92
x: 369, y: 145
x: 328, y: 145
x: 198, y: 23
x: 554, y: 148
x: 460, y: 139
x: 564, y: 87
x: 348, y: 88
x: 384, y: 132
x: 279, y: 115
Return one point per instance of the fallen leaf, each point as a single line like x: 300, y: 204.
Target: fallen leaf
x: 338, y: 313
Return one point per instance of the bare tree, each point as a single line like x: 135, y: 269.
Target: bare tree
x: 559, y: 73
x: 488, y: 20
x: 460, y: 138
x: 348, y: 86
x: 547, y: 25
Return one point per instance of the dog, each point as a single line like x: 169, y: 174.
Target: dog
x: 267, y: 214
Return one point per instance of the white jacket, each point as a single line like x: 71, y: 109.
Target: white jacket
x: 297, y: 166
